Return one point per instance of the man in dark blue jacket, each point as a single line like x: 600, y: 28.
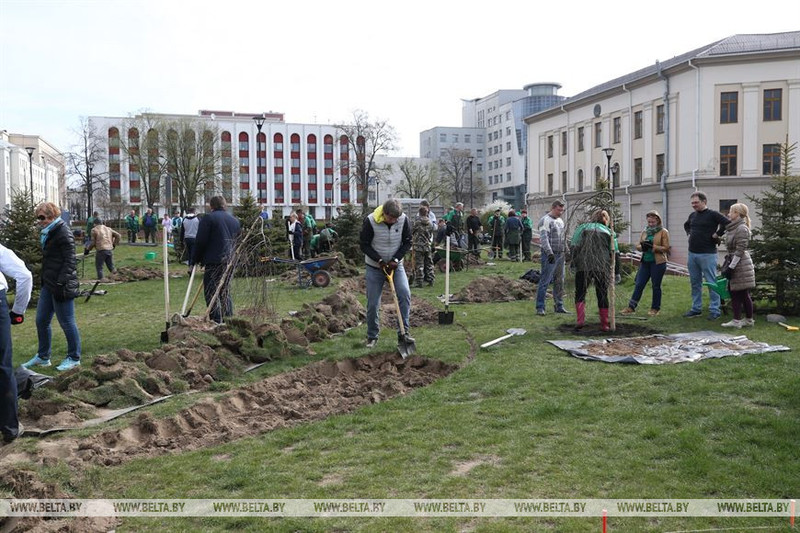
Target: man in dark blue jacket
x: 214, y: 247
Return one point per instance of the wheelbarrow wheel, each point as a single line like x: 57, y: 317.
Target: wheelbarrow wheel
x: 321, y: 278
x: 442, y: 266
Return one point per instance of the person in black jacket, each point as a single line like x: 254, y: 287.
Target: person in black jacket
x: 60, y: 287
x: 213, y: 248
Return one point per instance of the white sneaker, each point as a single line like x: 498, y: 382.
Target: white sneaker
x: 748, y: 322
x: 733, y: 324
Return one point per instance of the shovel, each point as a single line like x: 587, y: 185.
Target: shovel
x: 511, y: 332
x: 188, y: 292
x: 405, y: 347
x: 96, y: 283
x: 165, y: 333
x: 788, y: 327
x: 446, y: 316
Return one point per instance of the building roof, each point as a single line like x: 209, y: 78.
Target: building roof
x: 741, y: 44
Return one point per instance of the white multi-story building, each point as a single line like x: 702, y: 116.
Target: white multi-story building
x: 710, y: 119
x: 435, y: 143
x: 282, y: 165
x: 45, y: 162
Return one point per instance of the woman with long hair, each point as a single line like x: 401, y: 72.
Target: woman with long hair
x: 738, y: 267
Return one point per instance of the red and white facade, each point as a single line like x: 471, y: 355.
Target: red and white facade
x: 283, y: 166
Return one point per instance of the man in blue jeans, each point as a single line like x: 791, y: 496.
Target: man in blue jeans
x: 704, y: 227
x: 553, y: 245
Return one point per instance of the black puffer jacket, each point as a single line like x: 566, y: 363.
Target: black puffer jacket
x: 58, y: 263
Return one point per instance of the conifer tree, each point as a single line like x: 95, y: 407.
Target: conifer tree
x: 18, y: 233
x: 348, y: 226
x: 775, y: 246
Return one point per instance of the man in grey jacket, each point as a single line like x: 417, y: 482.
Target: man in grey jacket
x: 553, y: 243
x: 385, y: 239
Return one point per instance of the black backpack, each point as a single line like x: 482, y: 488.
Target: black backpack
x: 531, y: 275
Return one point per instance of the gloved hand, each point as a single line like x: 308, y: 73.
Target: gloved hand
x: 646, y: 246
x: 85, y: 251
x: 391, y: 265
x: 551, y: 258
x: 15, y: 318
x: 727, y: 273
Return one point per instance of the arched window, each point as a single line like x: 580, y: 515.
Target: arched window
x: 580, y: 180
x: 598, y: 176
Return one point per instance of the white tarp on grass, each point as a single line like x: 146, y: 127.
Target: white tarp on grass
x: 665, y: 349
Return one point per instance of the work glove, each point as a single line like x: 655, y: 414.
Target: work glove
x: 391, y: 265
x: 551, y: 258
x: 727, y: 273
x: 15, y: 318
x: 85, y: 251
x: 646, y: 246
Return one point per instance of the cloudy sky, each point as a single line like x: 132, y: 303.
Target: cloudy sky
x: 409, y: 62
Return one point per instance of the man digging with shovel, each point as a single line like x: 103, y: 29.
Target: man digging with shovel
x: 385, y: 238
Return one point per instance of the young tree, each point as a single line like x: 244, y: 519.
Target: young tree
x: 419, y: 181
x: 191, y: 161
x: 18, y: 232
x: 776, y: 244
x: 83, y: 160
x: 366, y: 139
x: 348, y: 226
x: 141, y: 145
x: 455, y: 175
x: 247, y: 211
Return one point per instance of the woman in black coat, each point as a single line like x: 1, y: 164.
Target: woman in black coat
x: 60, y: 287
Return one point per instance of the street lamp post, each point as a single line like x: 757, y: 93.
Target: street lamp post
x: 259, y: 120
x: 30, y: 150
x: 470, y: 182
x: 89, y: 190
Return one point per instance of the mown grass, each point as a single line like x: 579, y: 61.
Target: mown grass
x: 533, y: 422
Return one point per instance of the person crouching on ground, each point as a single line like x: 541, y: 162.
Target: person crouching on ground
x: 738, y: 266
x: 60, y: 287
x: 104, y: 240
x: 591, y: 257
x: 385, y: 239
x: 654, y: 245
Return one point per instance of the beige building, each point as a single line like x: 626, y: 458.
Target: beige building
x: 710, y: 119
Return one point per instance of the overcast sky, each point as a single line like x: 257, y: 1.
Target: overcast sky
x: 409, y: 62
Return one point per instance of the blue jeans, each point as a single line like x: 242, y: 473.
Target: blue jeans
x: 648, y: 271
x: 375, y: 280
x: 212, y: 277
x: 703, y: 266
x: 65, y: 312
x: 9, y: 425
x: 551, y: 273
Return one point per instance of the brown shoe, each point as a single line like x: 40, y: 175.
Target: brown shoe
x: 652, y: 312
x: 628, y: 311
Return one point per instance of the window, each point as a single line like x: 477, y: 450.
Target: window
x: 659, y: 119
x: 637, y: 125
x: 455, y: 137
x: 479, y: 152
x: 563, y: 143
x: 479, y: 167
x: 549, y: 146
x: 727, y: 160
x: 467, y: 138
x: 772, y: 104
x: 660, y: 166
x: 598, y: 132
x: 728, y: 108
x: 617, y: 129
x: 637, y: 171
x: 598, y: 176
x: 508, y: 176
x: 772, y: 159
x: 725, y: 206
x: 508, y: 161
x: 580, y: 139
x: 563, y: 181
x: 580, y: 180
x: 508, y: 146
x: 442, y: 137
x: 480, y: 138
x: 549, y: 184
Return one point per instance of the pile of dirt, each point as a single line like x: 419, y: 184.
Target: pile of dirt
x: 314, y: 392
x: 334, y: 314
x: 422, y: 313
x: 496, y: 289
x: 344, y: 268
x: 592, y: 329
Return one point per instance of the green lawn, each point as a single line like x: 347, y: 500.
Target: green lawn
x: 532, y: 422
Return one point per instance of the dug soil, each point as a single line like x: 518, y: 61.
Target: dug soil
x: 592, y: 329
x: 496, y: 289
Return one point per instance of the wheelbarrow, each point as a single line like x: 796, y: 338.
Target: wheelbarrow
x: 311, y: 272
x: 457, y: 259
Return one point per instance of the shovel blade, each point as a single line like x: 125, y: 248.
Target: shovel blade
x: 446, y: 317
x: 406, y: 348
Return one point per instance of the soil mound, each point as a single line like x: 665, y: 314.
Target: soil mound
x: 314, y: 392
x: 592, y: 329
x: 496, y: 289
x: 140, y: 273
x: 422, y: 313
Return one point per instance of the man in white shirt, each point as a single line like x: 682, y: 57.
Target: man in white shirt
x: 11, y: 265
